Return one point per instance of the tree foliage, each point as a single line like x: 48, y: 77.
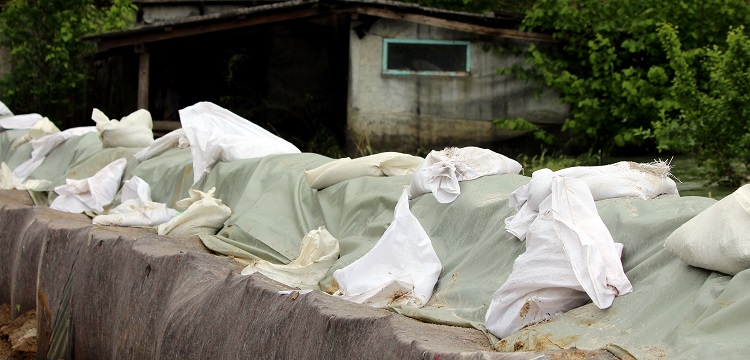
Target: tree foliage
x: 714, y: 101
x: 47, y: 53
x: 609, y: 64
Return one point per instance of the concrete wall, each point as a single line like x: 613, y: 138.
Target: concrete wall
x: 127, y: 293
x: 411, y: 113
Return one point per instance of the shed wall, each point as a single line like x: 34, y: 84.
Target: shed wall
x: 420, y: 113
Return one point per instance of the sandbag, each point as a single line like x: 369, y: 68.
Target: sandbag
x: 719, y: 237
x: 90, y: 194
x: 217, y: 134
x: 382, y: 164
x: 570, y: 258
x: 40, y: 129
x: 132, y: 131
x: 203, y: 214
x: 401, y: 269
x: 318, y: 251
x: 42, y: 147
x: 21, y: 122
x: 622, y: 179
x: 175, y: 138
x: 136, y: 208
x: 442, y: 170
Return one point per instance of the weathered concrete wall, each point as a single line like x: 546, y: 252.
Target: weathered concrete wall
x: 406, y: 113
x: 109, y: 292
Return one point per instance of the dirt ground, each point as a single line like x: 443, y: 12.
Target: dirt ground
x: 17, y: 337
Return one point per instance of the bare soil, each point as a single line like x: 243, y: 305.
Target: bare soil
x: 18, y: 336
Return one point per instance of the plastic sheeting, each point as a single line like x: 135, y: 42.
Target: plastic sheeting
x: 42, y: 147
x: 675, y: 310
x: 382, y: 164
x: 401, y: 269
x: 218, y: 134
x: 18, y: 122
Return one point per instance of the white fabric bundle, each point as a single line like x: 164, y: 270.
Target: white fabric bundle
x: 19, y: 122
x: 442, y: 170
x: 136, y: 208
x: 203, y: 214
x: 40, y: 129
x: 383, y: 164
x: 401, y: 269
x: 90, y: 194
x: 217, y: 134
x: 719, y: 237
x: 42, y: 147
x: 132, y: 131
x: 570, y: 257
x: 176, y: 138
x: 622, y: 179
x: 318, y: 251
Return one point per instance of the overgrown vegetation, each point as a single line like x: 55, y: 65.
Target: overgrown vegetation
x: 611, y: 67
x: 47, y: 54
x: 713, y: 97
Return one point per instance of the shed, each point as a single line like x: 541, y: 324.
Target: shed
x: 365, y: 75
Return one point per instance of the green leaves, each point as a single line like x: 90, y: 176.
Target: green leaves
x: 714, y: 103
x: 611, y: 67
x: 47, y: 54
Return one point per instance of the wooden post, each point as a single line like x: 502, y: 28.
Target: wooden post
x: 143, y: 77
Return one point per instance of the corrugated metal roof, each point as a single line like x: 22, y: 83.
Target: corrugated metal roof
x: 489, y: 24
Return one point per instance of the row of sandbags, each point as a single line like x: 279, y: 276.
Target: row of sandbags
x: 556, y: 217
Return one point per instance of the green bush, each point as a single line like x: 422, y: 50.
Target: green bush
x: 47, y: 53
x: 712, y: 89
x: 609, y: 64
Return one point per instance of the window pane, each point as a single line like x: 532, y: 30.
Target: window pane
x: 406, y: 56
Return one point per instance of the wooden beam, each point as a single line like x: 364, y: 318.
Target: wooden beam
x: 174, y: 31
x: 456, y: 25
x: 144, y: 65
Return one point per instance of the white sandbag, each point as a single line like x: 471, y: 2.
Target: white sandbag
x: 175, y: 138
x: 19, y: 122
x: 401, y: 269
x: 40, y: 129
x: 203, y: 214
x: 217, y: 134
x: 90, y: 194
x: 42, y: 147
x: 570, y: 257
x: 4, y: 111
x: 719, y: 237
x: 382, y: 164
x: 442, y: 170
x: 622, y: 179
x: 625, y: 179
x: 132, y: 131
x: 136, y: 208
x: 318, y: 251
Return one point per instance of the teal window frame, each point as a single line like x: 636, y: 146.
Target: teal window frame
x: 387, y: 71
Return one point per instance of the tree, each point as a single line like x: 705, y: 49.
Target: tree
x: 609, y: 64
x: 714, y: 103
x: 47, y: 54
